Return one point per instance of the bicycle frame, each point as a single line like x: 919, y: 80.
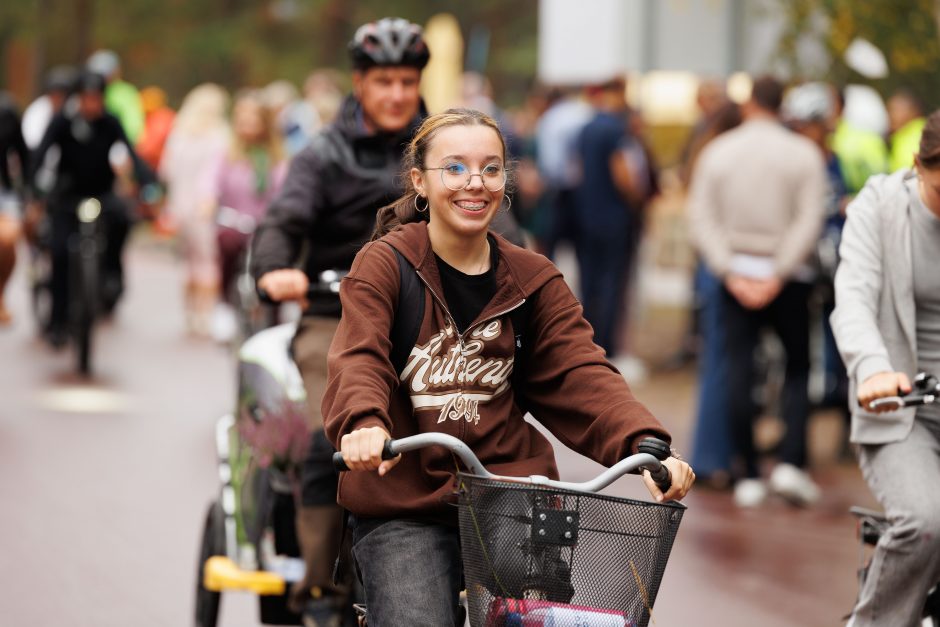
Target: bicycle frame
x: 85, y: 250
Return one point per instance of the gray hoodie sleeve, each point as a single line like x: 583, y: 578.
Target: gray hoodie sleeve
x: 290, y: 217
x: 858, y: 286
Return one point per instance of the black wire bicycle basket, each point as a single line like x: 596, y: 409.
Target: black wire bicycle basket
x: 542, y: 556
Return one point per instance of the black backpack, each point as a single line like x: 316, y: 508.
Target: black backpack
x: 406, y: 326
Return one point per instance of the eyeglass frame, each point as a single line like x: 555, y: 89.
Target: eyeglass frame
x: 470, y: 178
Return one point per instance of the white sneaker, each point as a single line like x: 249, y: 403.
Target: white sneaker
x: 794, y: 485
x: 223, y: 325
x: 749, y: 492
x: 632, y: 369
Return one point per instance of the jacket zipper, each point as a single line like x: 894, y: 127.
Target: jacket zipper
x: 462, y: 430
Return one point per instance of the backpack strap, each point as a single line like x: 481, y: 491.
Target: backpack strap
x: 520, y: 325
x: 409, y: 313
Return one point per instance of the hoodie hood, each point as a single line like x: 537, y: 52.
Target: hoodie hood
x: 520, y: 273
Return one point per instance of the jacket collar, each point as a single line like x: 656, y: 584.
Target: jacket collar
x: 350, y: 123
x: 519, y: 273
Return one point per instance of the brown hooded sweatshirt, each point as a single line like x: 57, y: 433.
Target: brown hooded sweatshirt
x: 460, y: 384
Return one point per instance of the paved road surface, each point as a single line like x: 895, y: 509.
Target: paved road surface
x: 103, y: 486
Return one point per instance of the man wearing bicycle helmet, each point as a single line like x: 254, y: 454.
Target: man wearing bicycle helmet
x: 328, y: 205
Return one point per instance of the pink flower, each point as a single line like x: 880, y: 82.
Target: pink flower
x: 279, y: 438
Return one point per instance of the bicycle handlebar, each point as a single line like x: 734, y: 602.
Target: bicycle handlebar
x: 652, y: 451
x: 926, y: 390
x: 327, y: 283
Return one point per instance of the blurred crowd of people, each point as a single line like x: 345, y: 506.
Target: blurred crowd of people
x: 585, y: 176
x: 767, y: 206
x: 220, y: 158
x: 767, y: 180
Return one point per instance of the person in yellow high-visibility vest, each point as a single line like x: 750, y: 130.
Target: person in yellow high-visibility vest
x: 861, y: 152
x: 906, y: 120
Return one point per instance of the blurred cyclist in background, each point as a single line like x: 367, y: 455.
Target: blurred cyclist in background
x: 57, y: 86
x: 329, y: 201
x: 13, y: 162
x: 86, y: 140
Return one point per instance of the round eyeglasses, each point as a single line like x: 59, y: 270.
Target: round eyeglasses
x: 456, y: 176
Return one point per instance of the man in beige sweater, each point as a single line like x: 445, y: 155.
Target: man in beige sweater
x: 756, y: 210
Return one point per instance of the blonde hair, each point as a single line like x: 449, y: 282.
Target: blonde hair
x: 271, y: 134
x: 203, y: 110
x: 403, y: 210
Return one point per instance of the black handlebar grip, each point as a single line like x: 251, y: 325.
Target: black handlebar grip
x: 661, y: 451
x: 655, y: 447
x: 340, y: 464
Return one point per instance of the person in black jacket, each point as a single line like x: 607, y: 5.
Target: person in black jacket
x: 328, y: 205
x: 86, y: 137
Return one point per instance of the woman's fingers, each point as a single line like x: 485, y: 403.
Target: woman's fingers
x: 882, y: 385
x: 388, y: 464
x: 682, y: 479
x: 362, y: 449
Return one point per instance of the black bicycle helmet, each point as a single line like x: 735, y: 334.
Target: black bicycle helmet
x: 61, y: 78
x: 391, y: 41
x: 91, y: 82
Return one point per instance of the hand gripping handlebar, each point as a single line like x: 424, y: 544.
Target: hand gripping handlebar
x: 926, y: 390
x: 651, y: 452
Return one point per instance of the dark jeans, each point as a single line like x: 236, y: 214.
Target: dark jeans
x: 557, y: 220
x: 319, y: 479
x: 411, y: 571
x: 711, y: 446
x: 788, y: 316
x: 603, y: 271
x: 114, y: 224
x: 232, y: 245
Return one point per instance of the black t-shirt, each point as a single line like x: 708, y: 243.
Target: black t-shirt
x: 468, y: 294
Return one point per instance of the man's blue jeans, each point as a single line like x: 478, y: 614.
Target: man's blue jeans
x: 711, y: 446
x: 411, y: 571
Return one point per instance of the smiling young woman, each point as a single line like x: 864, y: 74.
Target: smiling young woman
x: 461, y: 376
x: 456, y: 176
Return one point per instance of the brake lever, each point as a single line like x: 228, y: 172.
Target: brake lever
x: 897, y: 402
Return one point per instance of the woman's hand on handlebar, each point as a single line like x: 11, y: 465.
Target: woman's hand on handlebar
x: 682, y: 479
x: 882, y: 385
x: 362, y: 450
x: 285, y: 284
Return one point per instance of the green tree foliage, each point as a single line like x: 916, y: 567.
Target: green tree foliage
x: 906, y: 31
x: 178, y: 44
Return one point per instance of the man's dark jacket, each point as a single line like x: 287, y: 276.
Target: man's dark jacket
x: 334, y: 188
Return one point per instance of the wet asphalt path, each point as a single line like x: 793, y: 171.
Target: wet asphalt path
x: 104, y: 484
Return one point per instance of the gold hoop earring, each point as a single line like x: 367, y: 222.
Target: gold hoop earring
x: 417, y: 208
